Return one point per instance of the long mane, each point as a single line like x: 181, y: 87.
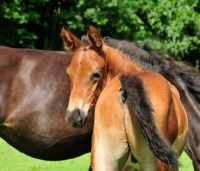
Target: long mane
x: 155, y: 61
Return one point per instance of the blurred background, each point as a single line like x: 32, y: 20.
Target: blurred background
x: 171, y: 26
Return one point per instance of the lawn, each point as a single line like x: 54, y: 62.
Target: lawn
x: 12, y: 160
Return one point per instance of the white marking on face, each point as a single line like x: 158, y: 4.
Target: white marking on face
x: 80, y: 104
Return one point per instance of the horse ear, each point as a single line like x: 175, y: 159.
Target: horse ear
x: 94, y: 37
x: 71, y: 42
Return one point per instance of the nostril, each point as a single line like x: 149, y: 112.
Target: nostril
x: 74, y: 117
x: 78, y: 111
x: 78, y: 116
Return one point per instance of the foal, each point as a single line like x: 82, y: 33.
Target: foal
x: 92, y: 67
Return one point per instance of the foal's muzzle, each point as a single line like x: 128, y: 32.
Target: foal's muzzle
x: 75, y: 117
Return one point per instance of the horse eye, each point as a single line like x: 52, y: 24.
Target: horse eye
x: 96, y: 75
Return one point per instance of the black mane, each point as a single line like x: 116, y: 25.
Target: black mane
x: 153, y: 60
x: 144, y: 56
x: 84, y: 40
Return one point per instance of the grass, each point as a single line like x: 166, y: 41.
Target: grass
x: 13, y: 160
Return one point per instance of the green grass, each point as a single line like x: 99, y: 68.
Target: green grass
x: 13, y: 160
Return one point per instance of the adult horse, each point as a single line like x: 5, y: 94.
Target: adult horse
x: 34, y: 95
x: 92, y: 67
x: 183, y: 76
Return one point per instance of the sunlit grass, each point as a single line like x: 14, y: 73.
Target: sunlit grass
x: 13, y: 160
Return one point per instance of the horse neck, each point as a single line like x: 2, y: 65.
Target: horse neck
x: 117, y: 63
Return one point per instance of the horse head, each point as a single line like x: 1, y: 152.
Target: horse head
x: 86, y: 74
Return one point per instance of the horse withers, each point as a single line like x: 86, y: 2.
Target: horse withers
x: 92, y: 67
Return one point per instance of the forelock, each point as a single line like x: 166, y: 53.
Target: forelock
x: 84, y: 40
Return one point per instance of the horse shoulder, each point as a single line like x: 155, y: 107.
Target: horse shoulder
x: 108, y: 97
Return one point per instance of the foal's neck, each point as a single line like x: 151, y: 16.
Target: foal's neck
x: 118, y: 63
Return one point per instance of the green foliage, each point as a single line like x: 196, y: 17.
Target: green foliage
x: 175, y: 24
x: 171, y: 26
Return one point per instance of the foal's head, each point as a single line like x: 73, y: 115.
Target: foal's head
x: 86, y: 74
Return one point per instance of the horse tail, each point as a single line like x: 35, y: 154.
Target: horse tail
x: 133, y: 93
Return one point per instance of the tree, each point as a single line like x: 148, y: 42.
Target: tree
x: 171, y: 26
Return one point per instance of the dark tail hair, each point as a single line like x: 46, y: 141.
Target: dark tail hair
x: 133, y: 93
